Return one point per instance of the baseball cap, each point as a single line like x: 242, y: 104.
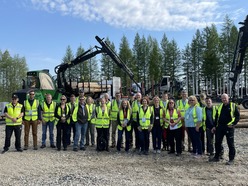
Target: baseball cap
x: 14, y: 96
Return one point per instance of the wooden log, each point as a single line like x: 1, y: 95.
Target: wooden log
x: 242, y: 125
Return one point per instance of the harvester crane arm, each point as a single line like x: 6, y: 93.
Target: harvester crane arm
x: 241, y: 45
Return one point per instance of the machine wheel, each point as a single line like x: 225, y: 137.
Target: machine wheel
x: 245, y: 104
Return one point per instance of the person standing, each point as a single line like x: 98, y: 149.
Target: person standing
x: 13, y: 113
x: 72, y: 124
x: 145, y: 124
x: 48, y: 108
x: 102, y: 121
x: 114, y: 109
x: 182, y: 106
x: 193, y: 122
x: 165, y: 131
x: 62, y: 114
x: 90, y: 133
x: 202, y: 104
x: 32, y: 117
x: 209, y: 114
x: 226, y: 118
x: 173, y: 120
x: 158, y: 113
x: 124, y: 118
x: 135, y: 123
x: 80, y: 116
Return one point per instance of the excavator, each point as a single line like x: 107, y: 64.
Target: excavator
x: 42, y: 82
x: 238, y: 59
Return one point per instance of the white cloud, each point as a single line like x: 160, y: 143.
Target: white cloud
x: 144, y: 14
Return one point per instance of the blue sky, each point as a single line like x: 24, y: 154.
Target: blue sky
x: 40, y: 30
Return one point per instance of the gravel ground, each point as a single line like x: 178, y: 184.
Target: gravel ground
x: 50, y: 167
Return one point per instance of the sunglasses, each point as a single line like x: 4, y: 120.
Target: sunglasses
x: 31, y: 94
x: 171, y: 102
x: 191, y: 100
x: 62, y: 99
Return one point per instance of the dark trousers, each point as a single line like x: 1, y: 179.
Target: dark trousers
x: 136, y: 132
x: 102, y: 132
x: 196, y: 139
x: 71, y: 127
x: 144, y: 139
x: 8, y: 133
x: 90, y: 133
x: 203, y: 140
x: 165, y: 139
x: 119, y: 141
x: 61, y: 135
x: 156, y: 137
x: 175, y: 135
x: 222, y: 131
x: 210, y: 141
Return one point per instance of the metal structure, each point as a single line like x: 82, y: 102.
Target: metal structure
x: 239, y: 55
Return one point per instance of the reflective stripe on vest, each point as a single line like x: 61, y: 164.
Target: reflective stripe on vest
x: 48, y: 113
x: 31, y: 112
x: 102, y: 120
x: 121, y: 115
x: 204, y: 116
x: 232, y: 106
x: 144, y: 118
x: 14, y: 112
x: 181, y: 107
x: 174, y: 117
x: 114, y: 110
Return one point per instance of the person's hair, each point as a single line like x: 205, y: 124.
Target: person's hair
x: 155, y: 97
x: 194, y: 98
x: 72, y: 95
x: 31, y: 91
x: 128, y: 104
x: 146, y: 98
x: 207, y: 98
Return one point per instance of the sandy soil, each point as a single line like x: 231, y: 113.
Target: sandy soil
x: 50, y: 167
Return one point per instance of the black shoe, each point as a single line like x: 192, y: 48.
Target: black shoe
x: 230, y: 162
x: 178, y: 154
x: 58, y: 149
x: 19, y: 150
x: 107, y: 149
x: 214, y: 159
x: 35, y: 148
x: 171, y: 152
x: 82, y: 148
x: 146, y: 153
x: 4, y: 151
x: 65, y: 149
x: 112, y: 146
x: 25, y: 148
x: 42, y: 146
x: 86, y: 144
x: 75, y: 149
x: 52, y: 146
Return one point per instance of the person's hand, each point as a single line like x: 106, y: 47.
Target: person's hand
x: 14, y: 120
x: 213, y: 130
x: 38, y: 121
x: 150, y: 128
x: 230, y: 126
x: 139, y: 128
x: 197, y: 128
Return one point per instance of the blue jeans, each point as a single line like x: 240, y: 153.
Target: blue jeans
x: 156, y: 137
x: 50, y: 125
x: 127, y: 136
x: 196, y: 139
x: 80, y: 130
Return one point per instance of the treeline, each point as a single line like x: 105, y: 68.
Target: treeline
x: 12, y: 71
x: 203, y: 63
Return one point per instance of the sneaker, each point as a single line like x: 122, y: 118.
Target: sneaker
x: 75, y: 149
x: 141, y: 152
x: 198, y: 156
x: 154, y: 151
x: 52, y: 146
x: 112, y: 146
x: 35, y: 148
x: 19, y: 150
x: 82, y: 148
x: 65, y: 149
x: 178, y: 154
x: 230, y: 162
x: 42, y: 146
x: 25, y: 148
x: 146, y: 153
x: 159, y: 151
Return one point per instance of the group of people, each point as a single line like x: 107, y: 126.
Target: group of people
x: 166, y: 119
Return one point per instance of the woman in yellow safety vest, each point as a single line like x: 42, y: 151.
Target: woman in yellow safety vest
x: 193, y: 122
x: 173, y: 120
x: 158, y: 113
x: 145, y: 123
x: 102, y: 121
x: 90, y: 133
x: 62, y: 115
x: 124, y: 124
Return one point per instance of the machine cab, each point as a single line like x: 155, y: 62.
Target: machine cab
x: 165, y: 84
